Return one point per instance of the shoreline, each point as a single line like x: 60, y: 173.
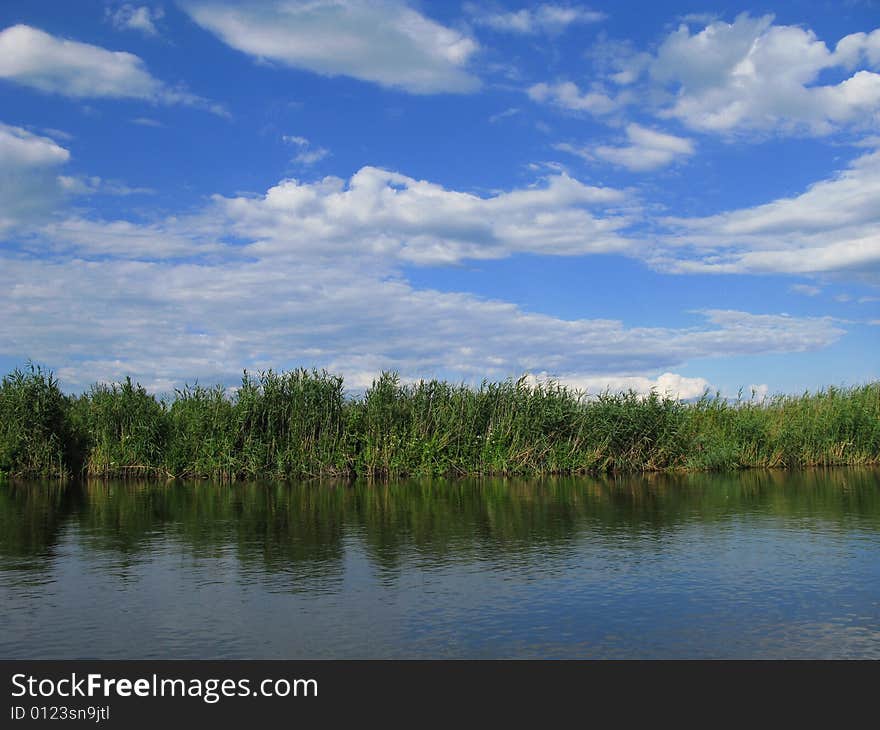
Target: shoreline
x: 302, y: 425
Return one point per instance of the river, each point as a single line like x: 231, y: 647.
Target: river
x: 749, y: 565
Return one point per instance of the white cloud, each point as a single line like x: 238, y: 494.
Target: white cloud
x: 20, y: 148
x: 298, y: 141
x: 31, y: 190
x: 29, y: 185
x: 748, y: 78
x: 833, y: 226
x: 617, y: 61
x: 179, y: 321
x: 567, y: 95
x: 859, y: 48
x: 123, y: 239
x: 31, y: 57
x: 395, y: 217
x: 510, y: 112
x: 313, y: 276
x: 308, y: 154
x: 93, y: 184
x: 378, y: 214
x: 57, y: 133
x: 672, y: 385
x: 647, y: 149
x: 140, y: 18
x: 805, y: 289
x: 546, y: 18
x: 753, y: 75
x: 384, y: 41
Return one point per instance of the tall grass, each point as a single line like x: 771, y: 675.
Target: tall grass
x: 288, y: 424
x: 39, y: 436
x: 127, y: 429
x: 301, y: 424
x: 832, y: 427
x: 204, y: 441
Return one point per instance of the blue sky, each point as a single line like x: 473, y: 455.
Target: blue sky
x: 626, y: 195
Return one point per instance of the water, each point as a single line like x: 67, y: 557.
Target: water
x: 777, y: 565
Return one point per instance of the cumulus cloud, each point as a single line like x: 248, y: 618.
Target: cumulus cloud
x: 311, y: 274
x: 20, y: 148
x: 34, y: 58
x: 394, y: 217
x: 141, y: 18
x: 832, y: 226
x: 377, y: 214
x: 747, y: 78
x: 754, y: 75
x: 31, y: 186
x: 386, y: 42
x: 859, y: 48
x: 29, y: 182
x: 646, y: 149
x: 546, y: 18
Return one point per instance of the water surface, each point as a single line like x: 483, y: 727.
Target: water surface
x: 759, y: 564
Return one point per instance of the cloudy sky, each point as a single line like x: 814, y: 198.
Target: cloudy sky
x: 626, y: 194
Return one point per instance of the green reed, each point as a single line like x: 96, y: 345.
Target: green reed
x: 288, y: 424
x: 302, y: 424
x: 127, y: 428
x: 39, y: 434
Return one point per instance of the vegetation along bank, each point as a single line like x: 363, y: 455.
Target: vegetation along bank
x: 300, y: 424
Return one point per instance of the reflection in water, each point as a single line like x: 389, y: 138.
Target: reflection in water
x: 751, y: 564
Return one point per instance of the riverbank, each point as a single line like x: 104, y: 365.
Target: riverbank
x: 301, y: 424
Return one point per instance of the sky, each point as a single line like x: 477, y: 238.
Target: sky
x: 630, y: 195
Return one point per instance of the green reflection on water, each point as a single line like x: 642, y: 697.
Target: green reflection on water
x: 280, y: 526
